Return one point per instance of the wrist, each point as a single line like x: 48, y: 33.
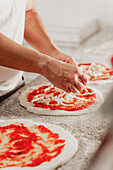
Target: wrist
x: 42, y: 64
x: 56, y: 53
x: 53, y: 51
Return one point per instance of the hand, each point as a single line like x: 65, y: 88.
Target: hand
x: 63, y: 57
x: 68, y: 59
x: 65, y: 76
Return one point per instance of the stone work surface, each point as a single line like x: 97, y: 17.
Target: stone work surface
x: 89, y: 129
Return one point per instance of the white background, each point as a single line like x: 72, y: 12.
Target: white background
x: 71, y: 13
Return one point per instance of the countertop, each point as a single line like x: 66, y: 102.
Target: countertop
x: 89, y: 129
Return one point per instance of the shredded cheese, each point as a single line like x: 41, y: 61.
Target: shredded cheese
x: 61, y: 98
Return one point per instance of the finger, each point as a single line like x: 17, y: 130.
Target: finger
x: 73, y: 88
x: 78, y: 84
x: 66, y: 88
x: 83, y: 78
x: 73, y: 62
x: 69, y: 89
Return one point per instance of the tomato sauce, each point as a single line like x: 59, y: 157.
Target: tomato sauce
x: 73, y: 105
x: 20, y: 146
x: 105, y: 75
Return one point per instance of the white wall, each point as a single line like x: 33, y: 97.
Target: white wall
x: 71, y: 13
x: 104, y: 11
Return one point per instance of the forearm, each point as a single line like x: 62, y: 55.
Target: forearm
x: 36, y: 34
x: 59, y: 73
x: 15, y: 56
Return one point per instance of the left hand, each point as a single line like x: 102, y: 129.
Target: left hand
x: 64, y: 57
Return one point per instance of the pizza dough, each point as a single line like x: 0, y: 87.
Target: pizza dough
x: 67, y: 152
x: 98, y: 73
x: 30, y: 106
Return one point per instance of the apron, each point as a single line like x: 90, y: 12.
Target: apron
x: 12, y: 20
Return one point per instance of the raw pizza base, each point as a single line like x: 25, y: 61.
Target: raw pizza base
x: 110, y: 80
x: 97, y: 82
x: 23, y: 101
x: 69, y: 150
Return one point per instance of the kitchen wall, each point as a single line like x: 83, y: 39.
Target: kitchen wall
x: 71, y: 13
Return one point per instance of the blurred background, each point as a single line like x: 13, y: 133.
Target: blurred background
x: 70, y: 23
x: 67, y: 18
x: 71, y: 13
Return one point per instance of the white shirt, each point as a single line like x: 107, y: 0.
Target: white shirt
x: 12, y: 20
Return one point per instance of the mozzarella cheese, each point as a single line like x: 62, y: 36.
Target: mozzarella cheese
x: 60, y: 99
x: 93, y: 70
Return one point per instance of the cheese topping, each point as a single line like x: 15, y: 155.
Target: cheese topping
x: 46, y: 97
x: 95, y: 71
x: 54, y: 98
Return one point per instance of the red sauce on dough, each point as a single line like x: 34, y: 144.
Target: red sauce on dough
x: 105, y: 75
x: 73, y: 105
x: 19, y: 147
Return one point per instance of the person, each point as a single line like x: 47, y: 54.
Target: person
x: 18, y: 20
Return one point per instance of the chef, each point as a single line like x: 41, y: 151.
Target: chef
x: 19, y: 20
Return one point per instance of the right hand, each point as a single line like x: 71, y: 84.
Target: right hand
x: 65, y: 76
